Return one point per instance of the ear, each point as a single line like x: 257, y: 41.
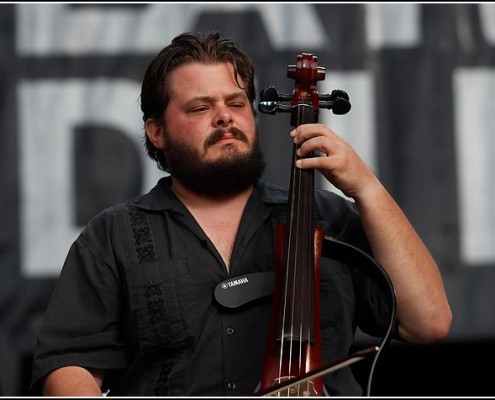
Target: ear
x: 155, y: 134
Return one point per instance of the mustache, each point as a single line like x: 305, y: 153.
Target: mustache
x: 219, y: 133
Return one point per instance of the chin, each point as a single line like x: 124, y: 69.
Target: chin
x: 227, y: 150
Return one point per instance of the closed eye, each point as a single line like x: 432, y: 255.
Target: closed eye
x: 198, y: 109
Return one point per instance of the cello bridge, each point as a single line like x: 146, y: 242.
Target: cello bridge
x: 305, y: 389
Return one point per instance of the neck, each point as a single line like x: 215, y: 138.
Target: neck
x: 218, y: 216
x: 198, y: 201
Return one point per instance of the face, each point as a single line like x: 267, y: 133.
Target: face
x: 210, y: 138
x: 204, y: 99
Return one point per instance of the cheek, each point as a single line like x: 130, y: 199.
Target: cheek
x: 249, y: 128
x: 191, y: 132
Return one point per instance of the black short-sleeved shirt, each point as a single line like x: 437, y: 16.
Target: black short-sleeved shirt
x: 136, y: 297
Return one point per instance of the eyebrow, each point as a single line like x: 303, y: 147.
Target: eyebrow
x: 231, y: 96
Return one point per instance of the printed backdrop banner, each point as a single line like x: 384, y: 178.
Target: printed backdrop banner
x: 421, y: 79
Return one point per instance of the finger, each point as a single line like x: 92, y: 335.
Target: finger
x: 304, y: 132
x: 320, y: 145
x: 308, y: 131
x: 318, y: 163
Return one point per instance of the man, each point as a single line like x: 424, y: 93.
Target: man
x: 134, y: 310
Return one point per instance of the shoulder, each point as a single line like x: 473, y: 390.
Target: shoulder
x: 118, y: 218
x: 323, y: 198
x: 273, y: 194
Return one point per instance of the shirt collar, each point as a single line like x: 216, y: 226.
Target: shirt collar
x: 162, y: 198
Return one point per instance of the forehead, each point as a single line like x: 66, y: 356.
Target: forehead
x: 203, y: 77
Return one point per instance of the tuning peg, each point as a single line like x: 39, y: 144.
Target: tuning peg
x: 268, y: 100
x: 337, y: 101
x: 341, y: 103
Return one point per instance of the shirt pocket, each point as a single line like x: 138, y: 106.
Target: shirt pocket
x: 162, y: 303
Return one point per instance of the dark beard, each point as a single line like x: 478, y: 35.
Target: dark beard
x: 231, y: 174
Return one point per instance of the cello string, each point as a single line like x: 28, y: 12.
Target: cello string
x: 301, y: 251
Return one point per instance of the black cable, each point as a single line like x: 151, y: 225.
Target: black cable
x: 340, y: 251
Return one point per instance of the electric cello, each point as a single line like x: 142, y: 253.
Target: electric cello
x: 293, y: 359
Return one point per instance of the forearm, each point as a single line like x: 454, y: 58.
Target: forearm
x: 423, y: 311
x: 73, y: 381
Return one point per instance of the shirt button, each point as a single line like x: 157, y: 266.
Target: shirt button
x: 231, y: 385
x: 230, y: 331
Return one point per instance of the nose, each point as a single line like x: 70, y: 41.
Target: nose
x: 223, y: 117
